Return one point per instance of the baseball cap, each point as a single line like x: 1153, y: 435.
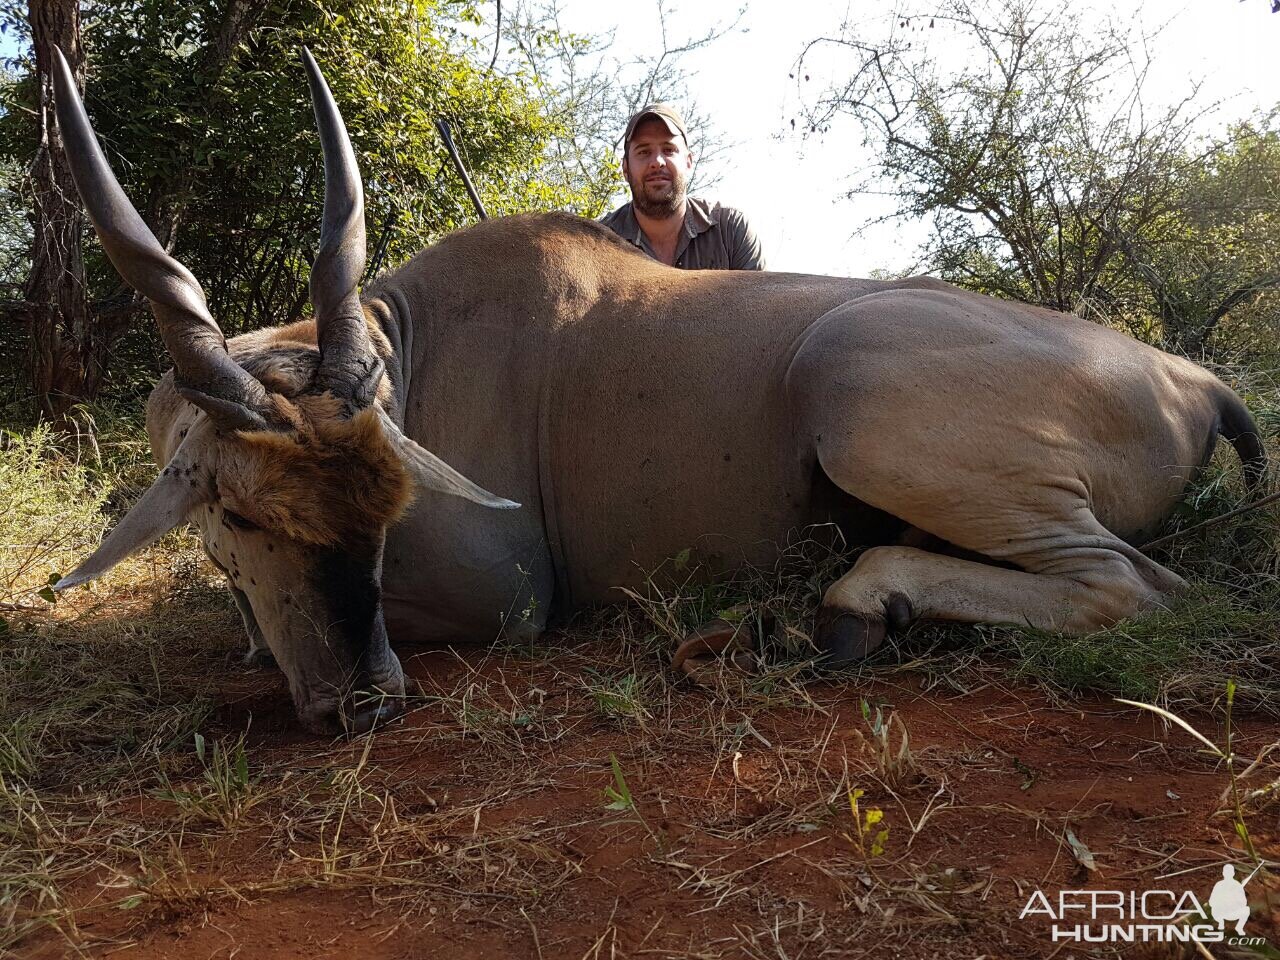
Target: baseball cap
x: 665, y: 112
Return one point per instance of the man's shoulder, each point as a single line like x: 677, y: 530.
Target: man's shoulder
x: 719, y: 213
x: 614, y: 217
x: 713, y: 208
x: 738, y: 236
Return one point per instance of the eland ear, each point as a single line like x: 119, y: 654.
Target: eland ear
x: 432, y: 473
x: 165, y: 505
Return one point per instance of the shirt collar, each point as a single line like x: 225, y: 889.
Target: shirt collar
x: 697, y: 221
x: 697, y: 217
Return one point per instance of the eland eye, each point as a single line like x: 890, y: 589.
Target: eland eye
x: 237, y: 521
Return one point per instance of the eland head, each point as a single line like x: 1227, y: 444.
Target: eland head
x: 284, y: 456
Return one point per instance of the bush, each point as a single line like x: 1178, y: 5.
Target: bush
x: 51, y: 514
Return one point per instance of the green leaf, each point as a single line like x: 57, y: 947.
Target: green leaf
x: 200, y: 746
x: 878, y: 844
x: 618, y: 794
x: 46, y: 593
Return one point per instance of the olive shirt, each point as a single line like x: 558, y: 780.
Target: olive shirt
x: 714, y: 237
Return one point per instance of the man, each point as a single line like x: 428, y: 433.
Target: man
x: 673, y: 228
x: 1228, y: 901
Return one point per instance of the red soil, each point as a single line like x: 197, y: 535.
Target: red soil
x: 492, y: 838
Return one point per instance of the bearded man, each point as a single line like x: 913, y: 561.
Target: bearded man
x: 661, y: 219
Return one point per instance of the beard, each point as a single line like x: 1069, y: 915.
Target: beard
x: 658, y: 199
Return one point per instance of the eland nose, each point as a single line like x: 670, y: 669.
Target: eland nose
x: 351, y: 717
x: 373, y: 715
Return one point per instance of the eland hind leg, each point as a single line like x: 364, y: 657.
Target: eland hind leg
x: 1060, y: 568
x: 1008, y: 434
x: 890, y: 587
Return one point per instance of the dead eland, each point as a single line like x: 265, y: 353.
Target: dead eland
x: 624, y: 411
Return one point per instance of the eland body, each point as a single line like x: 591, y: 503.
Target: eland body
x: 1001, y: 459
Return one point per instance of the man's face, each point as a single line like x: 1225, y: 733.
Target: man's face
x: 657, y: 167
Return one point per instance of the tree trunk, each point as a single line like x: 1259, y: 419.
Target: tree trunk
x: 68, y: 354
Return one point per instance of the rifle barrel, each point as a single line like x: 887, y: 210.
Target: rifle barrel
x: 447, y: 136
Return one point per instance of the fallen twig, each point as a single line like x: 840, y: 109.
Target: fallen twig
x: 1212, y: 521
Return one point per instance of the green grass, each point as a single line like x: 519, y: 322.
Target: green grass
x: 1186, y: 653
x: 51, y: 514
x: 226, y: 790
x: 618, y: 696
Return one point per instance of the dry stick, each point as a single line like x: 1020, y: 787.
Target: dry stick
x: 1212, y: 521
x: 536, y: 943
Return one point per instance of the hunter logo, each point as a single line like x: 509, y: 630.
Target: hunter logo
x: 1151, y: 916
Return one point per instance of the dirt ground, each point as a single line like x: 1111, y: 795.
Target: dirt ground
x: 491, y: 823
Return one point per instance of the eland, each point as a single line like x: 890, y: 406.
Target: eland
x: 1000, y: 461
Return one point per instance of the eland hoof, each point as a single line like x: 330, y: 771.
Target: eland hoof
x: 716, y: 645
x: 258, y: 658
x: 374, y: 716
x: 845, y: 638
x: 255, y: 658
